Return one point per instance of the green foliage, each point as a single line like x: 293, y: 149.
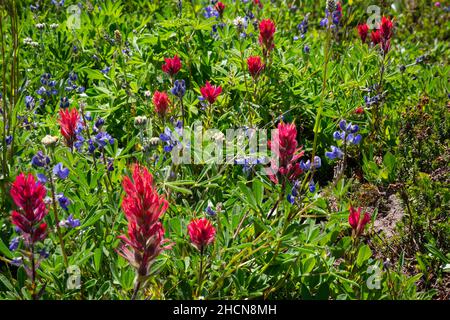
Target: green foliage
x: 265, y: 247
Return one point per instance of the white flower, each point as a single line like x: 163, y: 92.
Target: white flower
x: 40, y: 26
x: 49, y: 140
x: 240, y: 23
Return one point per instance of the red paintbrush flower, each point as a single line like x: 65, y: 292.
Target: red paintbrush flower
x: 258, y: 3
x: 375, y: 36
x: 266, y: 35
x: 161, y: 102
x: 284, y: 146
x: 255, y: 66
x: 29, y: 196
x: 358, y: 221
x: 386, y: 28
x: 359, y: 110
x: 210, y: 93
x: 201, y: 233
x: 363, y: 30
x: 385, y: 46
x: 68, y: 121
x: 143, y: 207
x: 220, y: 8
x: 172, y: 65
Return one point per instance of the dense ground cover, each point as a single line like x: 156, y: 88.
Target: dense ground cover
x: 349, y: 201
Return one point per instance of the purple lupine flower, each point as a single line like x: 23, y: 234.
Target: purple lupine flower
x: 17, y: 261
x: 78, y: 144
x: 210, y: 12
x: 41, y: 91
x: 30, y: 102
x: 179, y: 88
x: 60, y: 171
x: 70, y: 222
x: 312, y: 186
x: 14, y: 244
x: 8, y: 140
x: 306, y: 166
x: 335, y: 153
x: 43, y: 253
x: 110, y: 164
x: 40, y: 159
x: 303, y: 26
x: 105, y: 70
x: 42, y: 178
x: 354, y: 139
x: 290, y: 198
x: 64, y: 202
x: 103, y: 138
x: 73, y: 76
x: 99, y: 123
x: 348, y: 132
x: 210, y: 211
x: 91, y: 146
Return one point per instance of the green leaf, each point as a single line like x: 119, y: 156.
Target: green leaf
x: 97, y: 258
x: 364, y: 253
x: 5, y: 250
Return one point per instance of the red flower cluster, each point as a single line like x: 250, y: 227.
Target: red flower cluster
x: 284, y: 145
x: 220, y: 8
x: 142, y: 207
x: 266, y: 33
x: 255, y: 66
x: 29, y: 196
x: 358, y: 221
x: 172, y: 65
x: 258, y: 3
x: 383, y: 35
x: 210, y: 93
x: 359, y: 110
x: 201, y: 233
x: 68, y: 121
x: 363, y: 30
x: 161, y: 102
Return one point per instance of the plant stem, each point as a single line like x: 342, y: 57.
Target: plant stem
x: 33, y: 273
x: 55, y: 214
x: 137, y: 286
x: 200, y: 273
x: 322, y: 96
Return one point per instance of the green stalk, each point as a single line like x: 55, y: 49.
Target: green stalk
x: 200, y: 272
x: 322, y: 96
x: 55, y: 214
